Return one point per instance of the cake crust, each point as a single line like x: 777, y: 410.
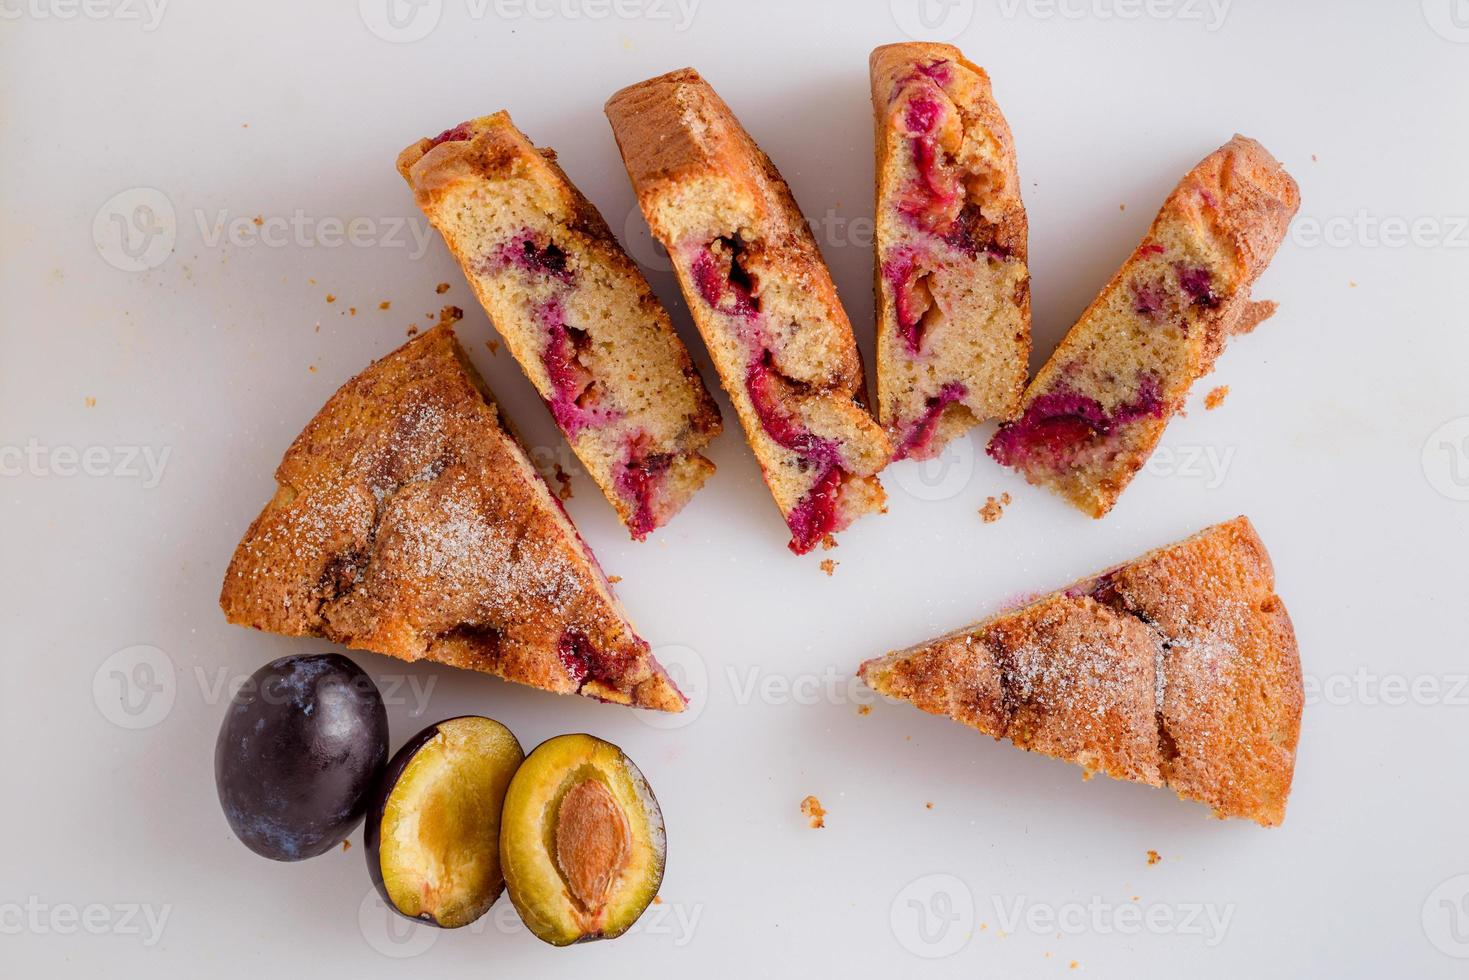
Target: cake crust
x: 574, y: 310
x: 760, y: 296
x: 408, y: 521
x: 1177, y: 669
x: 1097, y: 409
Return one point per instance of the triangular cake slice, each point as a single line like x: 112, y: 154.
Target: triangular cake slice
x: 1096, y: 410
x: 409, y: 521
x: 1178, y: 669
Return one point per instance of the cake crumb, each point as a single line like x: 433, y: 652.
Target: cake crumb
x: 441, y: 288
x: 815, y: 815
x: 828, y: 542
x: 412, y: 329
x: 259, y: 220
x: 1216, y: 397
x: 331, y: 297
x: 1154, y: 857
x: 993, y: 508
x: 494, y: 346
x: 564, y: 479
x: 91, y: 402
x: 928, y: 805
x: 829, y: 566
x: 352, y: 311
x: 311, y: 368
x: 346, y: 845
x: 657, y: 899
x: 1122, y: 207
x: 1074, y: 964
x: 613, y: 579
x: 864, y: 709
x: 386, y: 304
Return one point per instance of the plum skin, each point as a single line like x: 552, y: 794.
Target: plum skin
x: 302, y: 745
x: 372, y: 833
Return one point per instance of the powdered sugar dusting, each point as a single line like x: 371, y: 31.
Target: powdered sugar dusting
x: 464, y: 549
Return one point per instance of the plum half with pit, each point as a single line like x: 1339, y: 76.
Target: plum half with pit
x: 300, y: 750
x: 433, y: 831
x: 581, y: 841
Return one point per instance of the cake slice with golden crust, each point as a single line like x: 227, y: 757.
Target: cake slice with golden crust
x: 1177, y: 669
x: 574, y: 310
x: 408, y: 521
x: 952, y: 284
x: 1096, y: 410
x: 761, y: 297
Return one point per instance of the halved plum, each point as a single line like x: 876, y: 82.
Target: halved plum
x: 433, y: 833
x: 581, y: 841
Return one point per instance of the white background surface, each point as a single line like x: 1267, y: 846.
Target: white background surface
x: 221, y: 351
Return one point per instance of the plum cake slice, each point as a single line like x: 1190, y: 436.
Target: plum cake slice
x: 408, y: 521
x: 1096, y: 410
x: 952, y: 286
x: 574, y: 310
x: 1177, y: 669
x: 762, y: 299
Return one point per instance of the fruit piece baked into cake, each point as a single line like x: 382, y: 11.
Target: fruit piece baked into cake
x: 1096, y: 410
x: 408, y: 521
x: 574, y: 310
x: 1178, y: 669
x: 953, y: 289
x: 761, y: 297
